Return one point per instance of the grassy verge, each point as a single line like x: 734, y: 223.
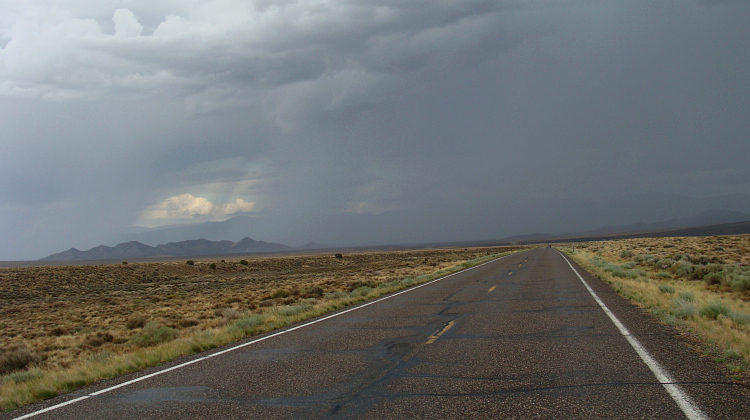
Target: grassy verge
x: 157, y: 344
x: 674, y: 288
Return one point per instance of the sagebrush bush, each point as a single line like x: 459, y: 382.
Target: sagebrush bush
x: 740, y: 318
x: 280, y: 293
x: 248, y: 323
x: 335, y: 295
x: 702, y: 271
x: 687, y: 296
x: 715, y: 308
x: 294, y: 309
x: 626, y: 254
x: 739, y: 282
x: 230, y: 314
x: 666, y: 288
x: 361, y: 291
x: 96, y: 340
x: 16, y: 357
x: 187, y: 322
x: 645, y: 260
x: 664, y: 263
x: 136, y: 321
x: 683, y: 309
x: 682, y: 268
x: 153, y: 334
x: 714, y: 278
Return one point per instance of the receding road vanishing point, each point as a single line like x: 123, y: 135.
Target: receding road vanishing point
x: 521, y: 337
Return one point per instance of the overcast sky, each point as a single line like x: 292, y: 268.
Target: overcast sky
x: 116, y: 114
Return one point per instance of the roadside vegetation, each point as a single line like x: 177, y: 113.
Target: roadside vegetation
x: 701, y: 285
x: 64, y: 327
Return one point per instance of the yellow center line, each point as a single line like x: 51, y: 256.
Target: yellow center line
x: 434, y: 337
x: 491, y: 289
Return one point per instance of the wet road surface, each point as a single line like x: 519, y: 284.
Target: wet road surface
x: 520, y: 337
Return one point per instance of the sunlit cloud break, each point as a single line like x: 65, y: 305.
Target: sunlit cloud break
x: 187, y: 206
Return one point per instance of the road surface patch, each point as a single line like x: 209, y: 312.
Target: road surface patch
x: 437, y: 335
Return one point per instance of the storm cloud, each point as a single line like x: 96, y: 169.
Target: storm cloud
x: 361, y: 122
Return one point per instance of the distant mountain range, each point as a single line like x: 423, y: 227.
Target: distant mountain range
x: 711, y: 222
x: 192, y: 248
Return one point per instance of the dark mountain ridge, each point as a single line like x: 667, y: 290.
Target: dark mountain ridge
x: 194, y: 248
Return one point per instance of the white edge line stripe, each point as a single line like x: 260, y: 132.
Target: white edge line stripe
x: 687, y: 406
x: 141, y: 378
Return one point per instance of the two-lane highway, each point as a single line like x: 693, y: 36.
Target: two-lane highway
x: 520, y: 337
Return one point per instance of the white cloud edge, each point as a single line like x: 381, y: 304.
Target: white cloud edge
x: 187, y: 207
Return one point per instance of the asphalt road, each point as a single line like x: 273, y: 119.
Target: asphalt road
x: 520, y: 337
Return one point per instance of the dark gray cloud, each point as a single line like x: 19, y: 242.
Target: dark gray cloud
x: 363, y: 122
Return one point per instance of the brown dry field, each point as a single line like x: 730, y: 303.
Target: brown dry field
x: 734, y: 249
x: 65, y: 314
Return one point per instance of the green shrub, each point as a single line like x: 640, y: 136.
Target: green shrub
x: 22, y: 376
x: 244, y: 262
x: 687, y: 296
x: 339, y: 256
x: 212, y: 266
x: 682, y: 268
x: 626, y: 273
x: 407, y: 281
x: 100, y: 356
x: 190, y: 262
x: 248, y: 324
x: 715, y: 308
x: 683, y: 309
x: 740, y: 318
x: 664, y: 263
x: 644, y: 259
x: 294, y: 309
x: 663, y: 275
x: 153, y: 334
x: 666, y: 288
x: 714, y: 278
x: 336, y: 295
x: 739, y: 282
x: 702, y: 271
x: 361, y: 291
